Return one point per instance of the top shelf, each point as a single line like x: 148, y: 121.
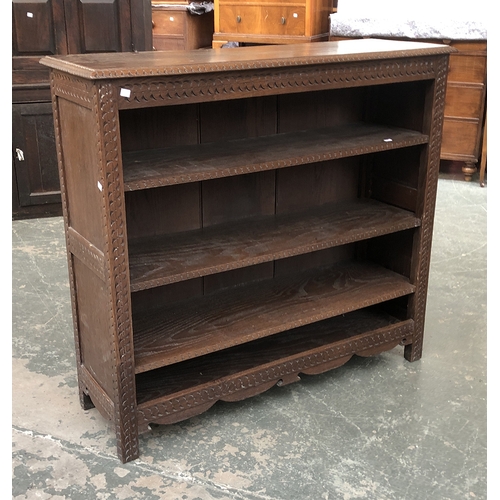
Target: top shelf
x: 180, y: 62
x: 184, y: 164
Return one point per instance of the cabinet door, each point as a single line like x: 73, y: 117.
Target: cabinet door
x: 38, y: 28
x: 97, y: 26
x: 108, y: 25
x: 35, y: 159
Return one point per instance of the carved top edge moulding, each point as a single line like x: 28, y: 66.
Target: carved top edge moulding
x: 156, y: 63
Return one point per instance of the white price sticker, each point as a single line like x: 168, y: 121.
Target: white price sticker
x: 125, y: 92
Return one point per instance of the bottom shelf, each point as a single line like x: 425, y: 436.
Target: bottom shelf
x: 180, y: 391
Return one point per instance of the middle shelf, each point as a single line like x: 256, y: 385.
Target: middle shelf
x: 157, y: 261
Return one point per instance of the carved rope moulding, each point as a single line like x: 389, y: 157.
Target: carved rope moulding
x: 119, y: 307
x: 171, y: 90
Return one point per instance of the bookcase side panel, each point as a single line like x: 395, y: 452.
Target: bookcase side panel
x: 433, y: 117
x: 77, y: 152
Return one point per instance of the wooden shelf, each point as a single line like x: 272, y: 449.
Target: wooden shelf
x: 183, y: 164
x: 230, y: 317
x: 311, y: 349
x: 169, y: 259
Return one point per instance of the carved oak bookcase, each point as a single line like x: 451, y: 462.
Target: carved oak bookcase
x: 237, y: 217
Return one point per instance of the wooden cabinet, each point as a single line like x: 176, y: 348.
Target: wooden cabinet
x: 44, y: 27
x: 235, y: 218
x: 269, y: 21
x: 175, y: 27
x: 465, y: 110
x: 35, y: 160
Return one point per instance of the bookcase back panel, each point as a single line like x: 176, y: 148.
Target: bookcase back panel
x: 165, y: 210
x: 237, y: 119
x: 393, y: 251
x: 234, y: 198
x: 317, y: 184
x: 399, y: 104
x: 237, y: 277
x: 153, y: 298
x: 319, y: 259
x: 394, y: 176
x: 160, y: 127
x: 325, y: 108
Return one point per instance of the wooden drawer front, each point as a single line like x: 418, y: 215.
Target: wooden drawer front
x: 467, y: 68
x: 162, y: 42
x: 263, y: 20
x: 168, y: 22
x: 460, y: 138
x: 463, y: 101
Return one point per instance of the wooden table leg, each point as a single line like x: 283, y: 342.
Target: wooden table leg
x: 482, y: 169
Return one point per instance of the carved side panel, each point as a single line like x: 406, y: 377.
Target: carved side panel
x: 426, y: 207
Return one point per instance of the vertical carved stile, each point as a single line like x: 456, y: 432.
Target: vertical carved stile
x: 418, y: 304
x: 118, y: 274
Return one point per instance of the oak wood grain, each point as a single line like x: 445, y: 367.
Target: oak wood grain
x: 177, y: 165
x: 172, y: 258
x: 237, y: 315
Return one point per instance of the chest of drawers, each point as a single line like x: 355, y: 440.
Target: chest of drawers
x: 174, y: 27
x: 271, y: 22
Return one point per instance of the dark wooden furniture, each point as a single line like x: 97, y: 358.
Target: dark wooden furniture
x: 271, y: 21
x: 175, y: 27
x: 235, y: 218
x: 57, y: 27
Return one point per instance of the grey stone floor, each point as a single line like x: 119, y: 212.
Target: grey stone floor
x: 377, y: 428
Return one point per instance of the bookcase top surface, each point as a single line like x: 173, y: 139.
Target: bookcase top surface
x: 158, y: 63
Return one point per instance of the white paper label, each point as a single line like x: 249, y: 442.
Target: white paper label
x: 295, y: 15
x: 29, y: 14
x: 125, y: 92
x: 99, y: 185
x: 387, y: 140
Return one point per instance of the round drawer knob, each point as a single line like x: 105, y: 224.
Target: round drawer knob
x: 283, y: 20
x: 238, y: 19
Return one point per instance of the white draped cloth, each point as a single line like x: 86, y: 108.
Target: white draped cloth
x: 426, y: 19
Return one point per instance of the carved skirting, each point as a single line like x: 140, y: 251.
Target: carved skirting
x: 263, y: 378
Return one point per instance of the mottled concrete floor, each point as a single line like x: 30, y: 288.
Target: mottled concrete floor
x: 378, y: 428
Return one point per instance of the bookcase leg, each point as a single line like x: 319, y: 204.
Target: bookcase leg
x: 413, y: 352
x: 127, y: 441
x: 85, y: 401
